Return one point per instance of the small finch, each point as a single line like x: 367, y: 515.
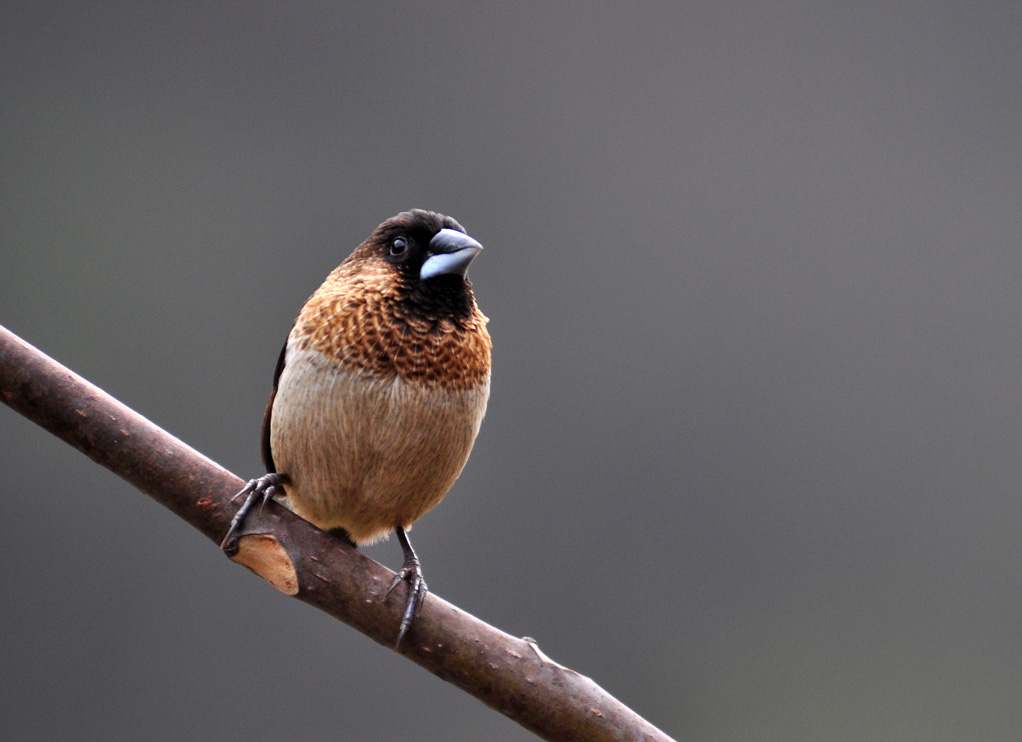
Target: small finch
x: 379, y: 391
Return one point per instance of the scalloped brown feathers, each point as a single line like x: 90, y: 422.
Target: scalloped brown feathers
x: 366, y: 319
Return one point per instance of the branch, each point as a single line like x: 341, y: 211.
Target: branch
x: 508, y: 674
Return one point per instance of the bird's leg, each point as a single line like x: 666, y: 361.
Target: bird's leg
x: 257, y: 490
x: 412, y: 574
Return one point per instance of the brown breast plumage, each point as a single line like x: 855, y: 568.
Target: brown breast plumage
x: 367, y: 321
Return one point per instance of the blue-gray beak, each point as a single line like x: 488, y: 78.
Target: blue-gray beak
x: 450, y: 251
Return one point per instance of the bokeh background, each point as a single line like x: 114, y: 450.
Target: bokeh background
x: 752, y: 455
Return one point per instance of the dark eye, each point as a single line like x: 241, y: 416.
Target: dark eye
x: 399, y: 246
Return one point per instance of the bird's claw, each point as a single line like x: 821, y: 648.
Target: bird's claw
x: 417, y: 590
x: 259, y: 490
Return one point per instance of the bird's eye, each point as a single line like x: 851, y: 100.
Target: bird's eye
x: 399, y: 246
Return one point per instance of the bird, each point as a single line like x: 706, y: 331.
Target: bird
x: 379, y: 392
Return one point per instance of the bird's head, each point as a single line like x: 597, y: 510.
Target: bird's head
x: 427, y: 256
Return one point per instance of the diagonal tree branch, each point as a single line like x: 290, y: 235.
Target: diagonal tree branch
x: 506, y: 673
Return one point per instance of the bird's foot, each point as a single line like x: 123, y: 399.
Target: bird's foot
x: 411, y: 573
x: 257, y: 490
x: 417, y: 589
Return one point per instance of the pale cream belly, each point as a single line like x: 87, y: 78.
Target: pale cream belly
x: 368, y: 454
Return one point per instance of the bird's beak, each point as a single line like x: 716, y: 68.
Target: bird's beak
x: 450, y: 251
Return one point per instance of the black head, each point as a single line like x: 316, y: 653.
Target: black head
x: 430, y: 254
x: 409, y: 240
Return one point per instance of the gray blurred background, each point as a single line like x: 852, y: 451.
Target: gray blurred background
x: 752, y: 456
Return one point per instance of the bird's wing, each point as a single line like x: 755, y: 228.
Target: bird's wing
x: 267, y: 452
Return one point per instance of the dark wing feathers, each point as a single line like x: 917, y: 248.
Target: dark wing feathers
x: 267, y: 452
